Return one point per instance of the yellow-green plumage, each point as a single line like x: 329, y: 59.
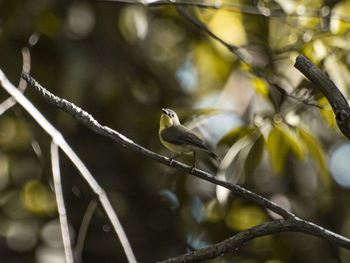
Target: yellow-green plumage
x: 178, y: 138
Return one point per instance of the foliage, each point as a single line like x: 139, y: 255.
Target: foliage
x: 123, y: 63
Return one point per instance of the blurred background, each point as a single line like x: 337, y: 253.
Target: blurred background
x: 122, y: 63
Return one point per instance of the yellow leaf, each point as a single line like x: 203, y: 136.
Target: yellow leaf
x: 261, y: 87
x: 235, y: 134
x: 292, y: 139
x: 277, y: 149
x: 228, y: 26
x: 316, y: 152
x: 242, y: 217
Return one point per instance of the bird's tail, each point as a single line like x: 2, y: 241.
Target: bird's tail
x: 214, y: 156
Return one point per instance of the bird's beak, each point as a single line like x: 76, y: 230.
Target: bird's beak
x: 164, y: 111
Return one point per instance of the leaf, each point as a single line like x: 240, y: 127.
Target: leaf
x: 277, y: 149
x: 327, y: 112
x: 294, y: 142
x: 235, y: 134
x: 260, y: 86
x: 241, y: 217
x: 254, y: 156
x: 280, y: 141
x: 230, y: 167
x: 317, y: 153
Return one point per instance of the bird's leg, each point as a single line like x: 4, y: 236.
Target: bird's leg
x: 172, y: 158
x: 194, y: 161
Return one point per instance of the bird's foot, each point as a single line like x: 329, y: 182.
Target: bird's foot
x: 172, y: 159
x: 192, y: 168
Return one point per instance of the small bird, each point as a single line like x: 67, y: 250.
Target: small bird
x: 178, y: 139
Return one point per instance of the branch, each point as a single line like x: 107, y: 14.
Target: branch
x: 239, y: 52
x: 26, y: 65
x: 61, y: 142
x: 60, y: 203
x: 86, y: 119
x: 195, y: 21
x: 89, y: 212
x: 235, y: 242
x: 335, y: 98
x: 258, y: 10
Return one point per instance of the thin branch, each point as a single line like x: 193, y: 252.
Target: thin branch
x: 83, y: 230
x: 61, y: 142
x: 334, y: 96
x: 239, y: 8
x: 239, y: 52
x: 26, y: 66
x: 86, y: 119
x: 22, y: 85
x: 235, y: 242
x: 306, y: 102
x: 195, y: 21
x: 60, y: 203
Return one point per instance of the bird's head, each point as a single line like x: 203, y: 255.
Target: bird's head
x: 168, y: 118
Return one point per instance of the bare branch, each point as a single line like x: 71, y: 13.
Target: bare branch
x: 259, y: 10
x: 26, y: 65
x: 195, y: 21
x: 86, y: 119
x: 10, y: 102
x: 334, y: 96
x: 67, y: 244
x: 83, y: 230
x: 235, y: 242
x: 61, y: 142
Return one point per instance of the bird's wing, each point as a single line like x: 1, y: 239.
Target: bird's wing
x: 180, y: 135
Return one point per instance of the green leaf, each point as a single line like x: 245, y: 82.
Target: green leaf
x: 277, y: 149
x: 234, y: 135
x: 280, y: 141
x: 294, y: 141
x: 241, y: 216
x: 316, y: 151
x: 261, y: 86
x: 254, y: 156
x: 231, y: 165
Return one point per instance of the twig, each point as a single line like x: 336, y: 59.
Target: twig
x: 244, y: 56
x: 26, y: 65
x: 60, y: 203
x: 83, y: 230
x: 195, y: 21
x: 233, y: 7
x: 306, y: 102
x: 335, y: 98
x: 235, y: 242
x: 22, y: 85
x: 86, y: 119
x: 61, y: 142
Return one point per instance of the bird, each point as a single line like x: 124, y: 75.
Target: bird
x: 179, y: 139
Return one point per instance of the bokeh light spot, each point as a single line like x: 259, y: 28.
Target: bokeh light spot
x: 80, y: 20
x: 38, y: 198
x: 21, y: 235
x: 340, y: 165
